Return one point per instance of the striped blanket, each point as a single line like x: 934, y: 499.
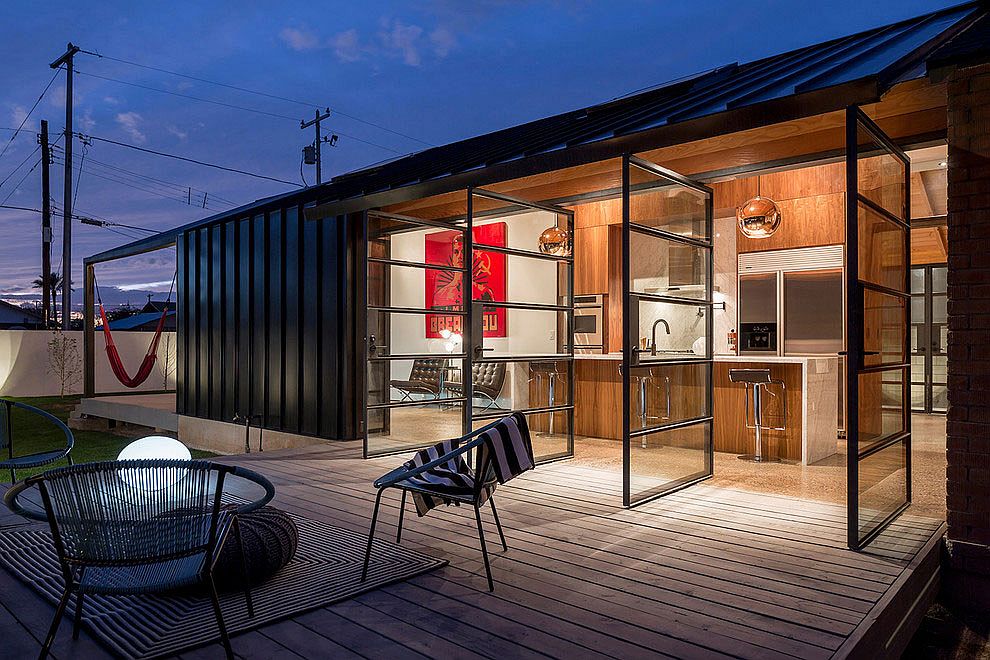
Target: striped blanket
x: 507, y: 451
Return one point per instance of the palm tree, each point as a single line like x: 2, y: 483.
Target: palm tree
x: 54, y: 283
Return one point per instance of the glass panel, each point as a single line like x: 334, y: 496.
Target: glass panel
x: 882, y: 485
x: 525, y: 279
x: 883, y: 328
x: 917, y: 309
x: 666, y: 394
x: 881, y: 175
x: 516, y: 227
x: 938, y: 309
x: 656, y: 202
x: 667, y: 268
x: 939, y: 369
x: 394, y: 239
x: 881, y: 406
x: 411, y: 427
x: 813, y: 311
x: 537, y: 384
x: 917, y: 397
x: 409, y: 380
x: 414, y: 333
x: 917, y: 280
x: 670, y: 330
x: 522, y: 332
x: 663, y: 460
x: 940, y: 398
x: 939, y: 279
x: 882, y: 259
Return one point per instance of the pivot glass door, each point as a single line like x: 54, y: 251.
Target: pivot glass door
x: 522, y: 318
x: 667, y: 331
x: 416, y: 317
x: 878, y: 423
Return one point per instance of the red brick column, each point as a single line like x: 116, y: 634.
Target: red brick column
x: 968, y: 428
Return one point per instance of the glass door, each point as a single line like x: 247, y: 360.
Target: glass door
x: 878, y: 422
x: 521, y: 335
x: 929, y: 335
x: 667, y: 331
x: 416, y: 318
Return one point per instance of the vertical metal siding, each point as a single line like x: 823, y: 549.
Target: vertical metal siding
x: 259, y: 316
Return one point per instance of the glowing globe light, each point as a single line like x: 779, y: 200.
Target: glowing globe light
x: 555, y: 241
x: 155, y: 447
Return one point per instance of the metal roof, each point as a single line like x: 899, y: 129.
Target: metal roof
x: 884, y: 56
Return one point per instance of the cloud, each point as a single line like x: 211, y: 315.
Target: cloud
x: 86, y: 122
x: 18, y: 113
x: 111, y: 100
x: 131, y: 122
x: 177, y: 132
x: 299, y: 40
x: 401, y: 39
x: 346, y: 46
x: 443, y: 41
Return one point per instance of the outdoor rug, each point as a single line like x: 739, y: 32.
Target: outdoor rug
x: 325, y: 570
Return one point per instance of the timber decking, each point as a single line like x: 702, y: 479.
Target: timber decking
x: 707, y: 572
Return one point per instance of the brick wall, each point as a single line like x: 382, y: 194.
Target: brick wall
x: 968, y: 427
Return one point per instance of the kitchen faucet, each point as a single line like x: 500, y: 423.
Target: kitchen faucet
x: 653, y: 347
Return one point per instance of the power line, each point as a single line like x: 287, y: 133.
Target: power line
x: 19, y: 183
x: 189, y: 160
x: 256, y: 92
x: 177, y: 186
x: 19, y: 208
x: 232, y: 106
x: 30, y: 112
x: 14, y: 171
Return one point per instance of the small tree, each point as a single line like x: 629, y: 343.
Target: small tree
x: 166, y: 357
x: 64, y: 361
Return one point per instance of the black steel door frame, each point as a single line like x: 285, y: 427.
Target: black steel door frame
x: 855, y: 326
x: 630, y: 353
x: 474, y: 337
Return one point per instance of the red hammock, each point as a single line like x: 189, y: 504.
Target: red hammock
x: 148, y: 363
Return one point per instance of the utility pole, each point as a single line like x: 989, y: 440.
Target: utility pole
x: 46, y: 227
x: 319, y: 139
x: 66, y: 59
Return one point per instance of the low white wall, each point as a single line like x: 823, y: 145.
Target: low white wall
x: 25, y: 368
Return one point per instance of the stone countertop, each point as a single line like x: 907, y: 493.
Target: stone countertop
x: 775, y: 359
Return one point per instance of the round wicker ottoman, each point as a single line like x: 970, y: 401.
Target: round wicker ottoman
x: 269, y: 538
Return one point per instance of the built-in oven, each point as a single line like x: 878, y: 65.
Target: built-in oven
x: 589, y: 323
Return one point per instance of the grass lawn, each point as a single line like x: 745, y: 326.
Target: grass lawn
x: 33, y: 434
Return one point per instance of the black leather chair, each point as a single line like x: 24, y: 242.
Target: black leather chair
x: 487, y: 378
x: 424, y: 378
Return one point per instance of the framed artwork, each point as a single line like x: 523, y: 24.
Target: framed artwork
x: 444, y: 289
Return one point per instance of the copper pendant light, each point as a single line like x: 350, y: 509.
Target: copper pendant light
x: 555, y: 241
x: 759, y: 217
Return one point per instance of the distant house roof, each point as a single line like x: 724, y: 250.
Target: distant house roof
x: 868, y: 62
x: 11, y: 314
x: 158, y: 306
x: 140, y: 319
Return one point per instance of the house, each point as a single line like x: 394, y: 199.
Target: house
x: 651, y: 277
x: 15, y: 317
x: 146, y: 320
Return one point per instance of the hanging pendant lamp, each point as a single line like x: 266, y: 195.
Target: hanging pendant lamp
x: 555, y: 241
x: 759, y: 217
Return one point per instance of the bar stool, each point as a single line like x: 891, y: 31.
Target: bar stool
x: 547, y: 369
x: 759, y: 380
x: 643, y: 383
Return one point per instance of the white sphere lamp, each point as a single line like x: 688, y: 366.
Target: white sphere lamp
x: 155, y: 447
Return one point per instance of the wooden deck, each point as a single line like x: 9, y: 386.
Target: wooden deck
x: 705, y: 573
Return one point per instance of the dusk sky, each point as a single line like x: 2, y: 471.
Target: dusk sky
x: 436, y: 71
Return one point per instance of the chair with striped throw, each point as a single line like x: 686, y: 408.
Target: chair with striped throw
x: 441, y: 474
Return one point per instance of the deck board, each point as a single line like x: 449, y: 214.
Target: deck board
x: 707, y: 572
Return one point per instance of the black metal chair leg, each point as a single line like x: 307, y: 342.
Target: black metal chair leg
x: 224, y: 638
x: 484, y: 548
x: 498, y: 523
x: 77, y: 619
x: 371, y: 535
x: 402, y: 511
x: 244, y: 567
x: 59, y: 611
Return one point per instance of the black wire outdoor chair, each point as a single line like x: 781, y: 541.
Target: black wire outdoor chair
x: 441, y: 475
x: 38, y: 459
x: 137, y: 527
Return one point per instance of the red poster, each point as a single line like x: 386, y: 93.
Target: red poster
x: 443, y: 287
